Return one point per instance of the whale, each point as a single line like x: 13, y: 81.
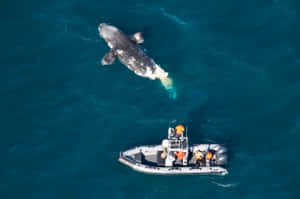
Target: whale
x: 127, y: 50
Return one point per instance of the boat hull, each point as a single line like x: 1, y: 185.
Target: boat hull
x: 125, y: 158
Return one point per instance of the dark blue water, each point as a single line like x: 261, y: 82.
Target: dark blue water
x: 64, y: 118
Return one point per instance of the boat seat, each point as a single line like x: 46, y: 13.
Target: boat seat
x: 139, y: 157
x: 160, y: 161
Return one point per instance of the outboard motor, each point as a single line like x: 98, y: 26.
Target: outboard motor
x: 221, y: 160
x: 214, y: 147
x: 221, y: 150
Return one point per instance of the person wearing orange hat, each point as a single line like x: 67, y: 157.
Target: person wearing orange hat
x: 209, y: 156
x: 179, y: 129
x: 198, y: 155
x: 199, y: 158
x: 180, y: 155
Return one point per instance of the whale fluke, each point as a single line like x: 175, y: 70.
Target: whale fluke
x: 109, y: 58
x: 137, y: 38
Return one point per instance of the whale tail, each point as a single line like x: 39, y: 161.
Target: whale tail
x: 167, y: 83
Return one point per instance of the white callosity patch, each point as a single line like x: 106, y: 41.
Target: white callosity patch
x: 120, y: 52
x: 110, y: 44
x: 107, y: 32
x: 138, y: 37
x: 149, y: 73
x: 131, y: 61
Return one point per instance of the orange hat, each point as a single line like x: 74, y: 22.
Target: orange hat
x: 180, y: 155
x: 179, y: 129
x: 163, y: 155
x: 209, y: 155
x: 198, y: 155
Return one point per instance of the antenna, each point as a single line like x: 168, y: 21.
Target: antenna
x: 186, y: 131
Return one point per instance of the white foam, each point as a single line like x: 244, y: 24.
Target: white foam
x: 223, y: 185
x: 166, y: 81
x: 173, y: 17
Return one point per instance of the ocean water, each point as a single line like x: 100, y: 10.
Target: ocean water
x: 64, y: 118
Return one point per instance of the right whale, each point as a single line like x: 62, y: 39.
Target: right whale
x: 127, y: 50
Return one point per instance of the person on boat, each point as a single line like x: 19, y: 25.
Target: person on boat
x: 179, y: 129
x: 208, y: 158
x: 199, y: 158
x: 180, y: 155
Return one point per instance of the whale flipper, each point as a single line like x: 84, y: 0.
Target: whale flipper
x: 137, y: 38
x: 109, y: 58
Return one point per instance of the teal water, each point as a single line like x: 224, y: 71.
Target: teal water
x: 236, y: 68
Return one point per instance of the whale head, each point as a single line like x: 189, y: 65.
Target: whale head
x: 108, y: 32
